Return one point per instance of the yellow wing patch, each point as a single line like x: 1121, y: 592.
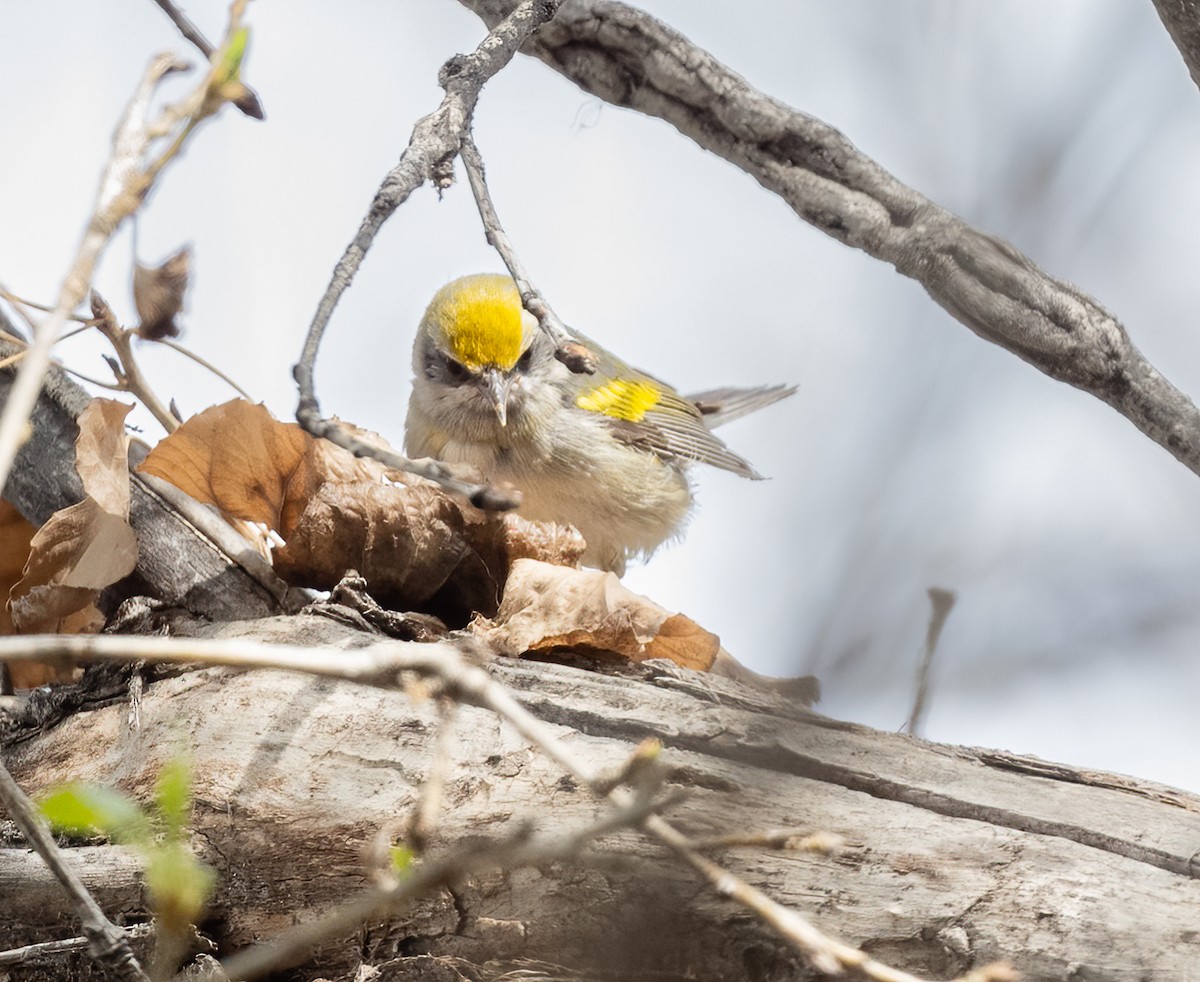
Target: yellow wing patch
x: 622, y: 399
x: 480, y: 320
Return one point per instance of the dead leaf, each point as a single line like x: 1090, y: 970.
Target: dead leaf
x: 417, y: 547
x: 15, y: 535
x: 158, y: 293
x: 102, y: 454
x: 553, y: 607
x: 88, y: 546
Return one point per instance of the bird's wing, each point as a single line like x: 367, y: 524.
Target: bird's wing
x: 721, y: 406
x: 648, y: 414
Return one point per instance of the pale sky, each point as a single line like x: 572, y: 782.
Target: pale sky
x: 913, y: 455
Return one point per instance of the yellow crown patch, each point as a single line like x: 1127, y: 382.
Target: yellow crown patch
x: 622, y: 399
x: 479, y: 318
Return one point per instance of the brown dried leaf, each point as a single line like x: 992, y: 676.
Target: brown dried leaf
x: 76, y: 554
x: 405, y: 541
x: 417, y: 547
x: 158, y: 293
x: 15, y: 536
x: 553, y: 607
x: 87, y: 547
x: 560, y: 545
x: 102, y: 454
x: 237, y: 457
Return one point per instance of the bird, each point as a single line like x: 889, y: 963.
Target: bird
x: 607, y: 452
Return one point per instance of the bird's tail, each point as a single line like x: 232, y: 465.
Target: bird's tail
x: 721, y: 406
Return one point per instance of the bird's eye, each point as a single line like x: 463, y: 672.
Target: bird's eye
x: 525, y: 360
x: 455, y: 371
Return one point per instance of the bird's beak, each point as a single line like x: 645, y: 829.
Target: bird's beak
x: 497, y: 385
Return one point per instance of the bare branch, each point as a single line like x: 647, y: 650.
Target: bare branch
x: 628, y: 58
x: 570, y: 352
x: 1181, y: 18
x: 435, y: 139
x: 247, y: 103
x: 28, y: 953
x: 129, y: 374
x: 107, y: 944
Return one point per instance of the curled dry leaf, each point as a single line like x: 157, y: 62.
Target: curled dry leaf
x: 88, y: 546
x: 15, y: 536
x: 158, y: 293
x: 418, y: 548
x: 554, y: 607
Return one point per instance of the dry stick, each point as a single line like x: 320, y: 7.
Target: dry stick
x: 107, y: 943
x: 126, y: 369
x: 119, y: 196
x: 26, y: 954
x: 381, y: 665
x: 629, y: 58
x: 89, y: 322
x: 247, y: 103
x: 435, y: 139
x: 570, y: 352
x: 942, y: 601
x: 176, y: 346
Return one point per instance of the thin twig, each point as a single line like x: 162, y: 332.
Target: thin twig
x: 248, y: 103
x: 175, y: 346
x: 107, y: 944
x: 941, y: 602
x: 435, y: 139
x: 32, y: 952
x: 129, y: 373
x: 45, y: 308
x: 576, y: 356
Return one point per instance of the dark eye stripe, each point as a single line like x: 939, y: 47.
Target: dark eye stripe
x: 439, y: 365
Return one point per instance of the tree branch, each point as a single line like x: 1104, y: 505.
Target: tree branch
x: 434, y: 142
x: 248, y: 102
x: 1181, y: 18
x: 630, y: 59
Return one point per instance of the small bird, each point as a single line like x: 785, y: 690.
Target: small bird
x: 607, y: 452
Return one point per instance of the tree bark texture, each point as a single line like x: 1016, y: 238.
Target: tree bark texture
x: 955, y: 857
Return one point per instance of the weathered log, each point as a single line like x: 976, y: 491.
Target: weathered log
x: 956, y: 857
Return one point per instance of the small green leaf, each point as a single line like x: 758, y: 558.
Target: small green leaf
x: 401, y: 857
x: 85, y: 809
x: 173, y: 794
x: 230, y: 64
x: 179, y: 884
